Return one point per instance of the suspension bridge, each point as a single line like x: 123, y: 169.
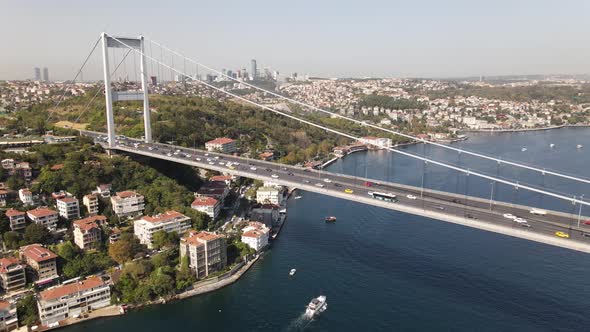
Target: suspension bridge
x: 556, y: 228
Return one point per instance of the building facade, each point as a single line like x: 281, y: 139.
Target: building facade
x: 171, y: 221
x: 45, y: 217
x: 208, y: 205
x: 221, y: 144
x: 17, y: 219
x: 255, y: 235
x: 68, y: 207
x: 87, y: 232
x: 128, y: 204
x: 72, y: 299
x: 269, y: 195
x: 25, y: 196
x: 12, y: 274
x: 41, y: 260
x: 207, y: 252
x: 8, y: 316
x: 90, y: 201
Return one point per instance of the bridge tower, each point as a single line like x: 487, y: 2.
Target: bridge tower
x: 110, y: 96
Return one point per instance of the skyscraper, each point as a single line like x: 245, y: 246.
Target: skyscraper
x: 254, y: 73
x: 37, y: 73
x: 45, y: 74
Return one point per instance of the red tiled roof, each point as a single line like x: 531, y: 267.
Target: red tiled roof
x: 6, y: 262
x: 14, y: 213
x: 41, y: 212
x: 221, y: 178
x: 75, y: 287
x: 3, y: 192
x: 198, y: 238
x: 37, y: 253
x: 204, y: 201
x: 4, y: 305
x: 163, y: 217
x: 57, y: 167
x: 253, y: 233
x: 86, y: 224
x: 127, y: 194
x: 67, y: 199
x: 221, y: 140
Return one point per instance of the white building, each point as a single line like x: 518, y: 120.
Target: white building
x: 208, y: 205
x: 104, y: 190
x: 44, y: 216
x: 170, y: 221
x: 255, y: 235
x: 207, y: 252
x: 272, y: 195
x: 128, y: 203
x: 8, y: 316
x: 222, y: 144
x: 90, y: 201
x: 68, y: 207
x: 25, y: 196
x: 376, y: 142
x: 72, y: 299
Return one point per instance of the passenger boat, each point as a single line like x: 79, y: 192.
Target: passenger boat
x: 330, y: 219
x: 316, y: 306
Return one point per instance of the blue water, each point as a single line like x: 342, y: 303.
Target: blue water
x: 383, y: 270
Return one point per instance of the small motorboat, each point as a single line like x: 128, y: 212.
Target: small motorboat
x: 551, y: 145
x: 523, y: 149
x: 298, y: 197
x: 292, y: 272
x: 330, y: 219
x: 579, y: 146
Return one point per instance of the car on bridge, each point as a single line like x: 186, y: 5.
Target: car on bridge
x: 253, y: 168
x: 348, y: 191
x: 368, y: 184
x: 275, y: 176
x: 539, y: 212
x: 411, y: 197
x: 587, y: 222
x: 562, y: 235
x: 327, y: 180
x: 520, y: 220
x: 321, y: 185
x: 509, y: 216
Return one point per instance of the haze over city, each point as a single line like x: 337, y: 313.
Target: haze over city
x: 327, y: 38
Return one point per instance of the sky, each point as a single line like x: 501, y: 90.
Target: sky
x: 369, y: 38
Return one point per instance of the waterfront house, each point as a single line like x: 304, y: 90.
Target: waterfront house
x: 72, y: 299
x: 255, y: 235
x: 207, y: 252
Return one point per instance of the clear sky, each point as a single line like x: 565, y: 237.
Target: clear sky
x: 418, y: 38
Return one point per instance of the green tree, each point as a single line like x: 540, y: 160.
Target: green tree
x: 26, y: 309
x: 12, y: 239
x: 125, y: 249
x: 35, y: 233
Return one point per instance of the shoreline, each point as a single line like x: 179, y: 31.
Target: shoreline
x: 524, y: 129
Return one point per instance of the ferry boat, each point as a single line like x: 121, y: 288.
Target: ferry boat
x: 330, y: 219
x: 316, y: 306
x: 292, y: 272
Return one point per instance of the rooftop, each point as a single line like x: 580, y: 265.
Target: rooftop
x: 37, y: 252
x: 14, y: 213
x: 127, y: 194
x: 221, y: 140
x: 6, y: 262
x: 204, y: 201
x: 68, y: 289
x: 41, y: 212
x: 199, y: 238
x: 163, y: 217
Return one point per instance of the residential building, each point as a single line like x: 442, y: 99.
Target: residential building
x: 17, y: 219
x: 44, y: 216
x: 3, y: 197
x: 268, y: 214
x: 87, y: 232
x: 12, y: 274
x: 207, y: 252
x: 90, y: 201
x: 208, y: 205
x: 255, y: 235
x: 68, y: 207
x: 376, y: 142
x: 115, y: 235
x: 104, y: 190
x: 128, y: 203
x: 25, y: 196
x: 72, y: 299
x: 217, y: 190
x: 221, y: 144
x: 8, y: 316
x: 41, y: 260
x: 168, y: 222
x: 269, y: 194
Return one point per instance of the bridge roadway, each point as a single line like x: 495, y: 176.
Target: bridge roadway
x: 459, y: 209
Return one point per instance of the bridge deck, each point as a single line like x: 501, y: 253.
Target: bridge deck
x: 459, y: 209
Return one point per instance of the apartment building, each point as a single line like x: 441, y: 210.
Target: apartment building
x: 255, y: 235
x: 170, y: 221
x: 90, y: 201
x: 87, y: 232
x: 68, y: 207
x: 25, y: 196
x: 3, y: 197
x: 41, y: 260
x: 104, y: 190
x: 207, y: 252
x: 44, y: 216
x: 128, y: 204
x: 72, y: 299
x: 208, y: 205
x: 8, y: 316
x: 17, y: 219
x: 269, y: 195
x: 12, y: 274
x: 221, y: 144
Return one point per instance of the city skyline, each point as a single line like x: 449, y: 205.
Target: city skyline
x: 375, y: 39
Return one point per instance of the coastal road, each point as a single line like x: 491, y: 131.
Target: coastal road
x: 460, y: 209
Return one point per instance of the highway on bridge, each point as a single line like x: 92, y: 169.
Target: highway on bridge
x: 459, y: 209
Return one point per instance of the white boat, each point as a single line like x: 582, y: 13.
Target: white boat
x: 551, y: 145
x: 316, y: 306
x: 298, y: 197
x: 292, y: 272
x: 579, y: 146
x: 523, y: 149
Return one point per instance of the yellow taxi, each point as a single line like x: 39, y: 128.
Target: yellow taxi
x: 562, y: 234
x: 348, y: 191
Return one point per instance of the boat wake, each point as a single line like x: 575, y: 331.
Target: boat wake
x: 300, y: 323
